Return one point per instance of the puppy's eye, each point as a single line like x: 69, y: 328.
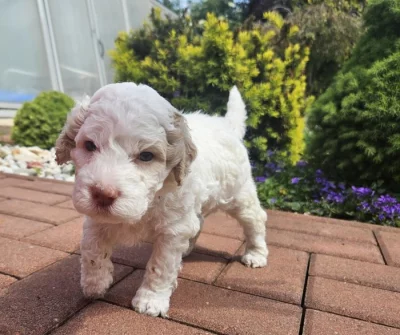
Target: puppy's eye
x: 146, y: 156
x: 90, y: 146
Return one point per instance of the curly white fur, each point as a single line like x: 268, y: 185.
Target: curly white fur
x: 200, y: 165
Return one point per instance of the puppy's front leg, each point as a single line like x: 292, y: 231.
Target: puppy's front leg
x: 160, y: 278
x: 96, y: 266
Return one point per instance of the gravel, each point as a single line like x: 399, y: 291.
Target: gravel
x: 33, y: 161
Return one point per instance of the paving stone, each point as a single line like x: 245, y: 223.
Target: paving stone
x: 217, y: 309
x: 21, y: 259
x: 40, y: 212
x: 202, y: 268
x: 357, y: 272
x: 48, y: 186
x: 390, y: 246
x: 323, y: 245
x: 103, y: 319
x: 275, y: 215
x: 217, y: 245
x: 67, y: 204
x: 46, y: 299
x: 283, y: 279
x: 15, y: 227
x: 30, y: 195
x: 323, y: 229
x: 4, y: 182
x: 136, y: 256
x: 361, y: 302
x: 231, y: 312
x: 65, y: 237
x: 320, y: 323
x: 6, y: 281
x: 122, y: 293
x: 223, y: 225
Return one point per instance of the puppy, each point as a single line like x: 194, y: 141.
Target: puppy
x: 145, y: 171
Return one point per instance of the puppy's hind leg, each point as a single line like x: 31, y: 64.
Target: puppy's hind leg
x: 252, y: 217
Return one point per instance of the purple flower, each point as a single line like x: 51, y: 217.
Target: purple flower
x: 260, y: 179
x: 301, y: 163
x: 269, y: 153
x: 335, y: 197
x: 365, y: 206
x: 362, y: 191
x: 272, y: 200
x: 295, y: 180
x: 176, y: 94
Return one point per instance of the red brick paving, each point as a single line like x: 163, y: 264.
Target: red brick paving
x: 353, y: 234
x: 335, y: 273
x: 39, y: 212
x: 283, y: 279
x: 231, y: 312
x: 6, y: 281
x: 324, y: 245
x: 217, y: 245
x: 44, y: 300
x: 67, y: 204
x: 361, y: 302
x: 30, y: 195
x: 15, y: 227
x: 321, y: 323
x: 65, y: 237
x: 349, y: 270
x: 390, y: 245
x: 21, y: 259
x: 103, y: 319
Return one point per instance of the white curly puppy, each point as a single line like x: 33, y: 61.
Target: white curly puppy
x: 144, y: 170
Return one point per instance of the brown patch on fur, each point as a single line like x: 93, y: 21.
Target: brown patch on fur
x: 181, y: 150
x: 66, y: 140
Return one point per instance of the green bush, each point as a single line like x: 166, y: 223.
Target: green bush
x: 196, y: 66
x: 355, y: 125
x: 39, y: 122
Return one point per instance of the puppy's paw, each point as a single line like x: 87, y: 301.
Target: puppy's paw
x: 95, y: 288
x: 254, y: 259
x: 151, y: 303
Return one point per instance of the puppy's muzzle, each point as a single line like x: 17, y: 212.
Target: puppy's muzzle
x: 104, y: 196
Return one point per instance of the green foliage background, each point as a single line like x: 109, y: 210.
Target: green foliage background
x: 355, y: 124
x: 196, y: 66
x: 39, y: 122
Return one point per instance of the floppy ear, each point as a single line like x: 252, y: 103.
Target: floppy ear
x: 66, y: 140
x: 182, y: 149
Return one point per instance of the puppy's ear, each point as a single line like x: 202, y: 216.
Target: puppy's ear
x: 183, y: 148
x: 66, y: 140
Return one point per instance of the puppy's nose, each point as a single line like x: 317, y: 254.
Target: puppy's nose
x: 104, y: 196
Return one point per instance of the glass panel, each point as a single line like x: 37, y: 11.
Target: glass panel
x: 24, y: 69
x: 110, y: 21
x: 138, y: 12
x: 76, y: 54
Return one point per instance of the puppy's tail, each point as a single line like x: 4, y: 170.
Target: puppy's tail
x: 236, y: 114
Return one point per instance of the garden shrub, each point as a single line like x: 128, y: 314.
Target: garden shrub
x: 355, y: 125
x: 39, y: 122
x: 195, y: 66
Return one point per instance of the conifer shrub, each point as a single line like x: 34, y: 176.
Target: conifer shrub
x: 355, y: 125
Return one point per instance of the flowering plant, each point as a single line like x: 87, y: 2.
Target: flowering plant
x: 305, y: 190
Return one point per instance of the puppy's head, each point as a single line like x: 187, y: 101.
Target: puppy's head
x: 129, y: 145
